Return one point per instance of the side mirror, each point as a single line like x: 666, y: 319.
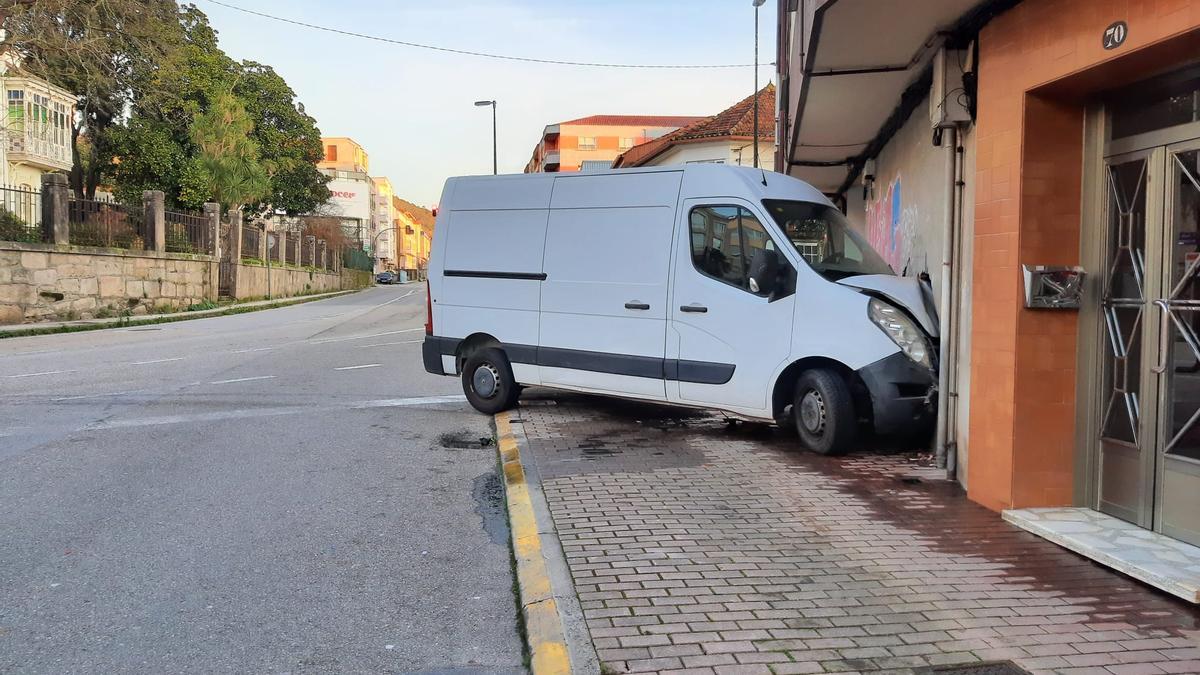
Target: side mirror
x: 764, y: 272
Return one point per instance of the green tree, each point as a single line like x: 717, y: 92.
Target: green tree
x: 289, y: 139
x: 228, y: 164
x: 97, y: 50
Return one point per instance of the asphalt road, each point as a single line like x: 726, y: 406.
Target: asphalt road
x: 280, y: 491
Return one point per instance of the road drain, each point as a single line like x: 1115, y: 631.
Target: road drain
x: 989, y: 668
x: 464, y: 440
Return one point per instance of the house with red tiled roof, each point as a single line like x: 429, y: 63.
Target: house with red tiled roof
x: 724, y: 138
x: 593, y: 142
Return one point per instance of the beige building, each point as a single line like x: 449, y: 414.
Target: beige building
x: 344, y: 154
x: 414, y: 235
x: 592, y: 143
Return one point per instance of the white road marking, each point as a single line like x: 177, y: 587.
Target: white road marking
x: 405, y: 402
x: 367, y: 365
x: 275, y: 412
x: 243, y: 379
x: 112, y: 393
x: 48, y: 372
x: 146, y: 363
x: 247, y: 351
x: 388, y: 344
x: 364, y: 337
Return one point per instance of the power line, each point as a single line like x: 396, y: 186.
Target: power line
x: 486, y: 55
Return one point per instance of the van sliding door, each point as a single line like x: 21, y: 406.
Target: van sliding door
x: 604, y: 312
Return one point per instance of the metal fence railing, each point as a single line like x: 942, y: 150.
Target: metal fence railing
x: 187, y: 233
x: 20, y: 214
x: 101, y: 223
x: 357, y: 259
x: 251, y: 236
x: 291, y: 248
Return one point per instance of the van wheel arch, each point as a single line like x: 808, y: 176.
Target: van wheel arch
x: 784, y: 392
x: 474, y: 343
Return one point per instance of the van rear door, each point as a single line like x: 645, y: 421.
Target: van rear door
x: 604, y: 299
x: 727, y: 340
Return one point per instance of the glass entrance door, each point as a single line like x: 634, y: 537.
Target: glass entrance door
x: 1130, y: 284
x: 1177, y: 480
x: 1149, y: 436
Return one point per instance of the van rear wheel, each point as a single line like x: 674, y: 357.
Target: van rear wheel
x: 824, y: 412
x: 488, y: 381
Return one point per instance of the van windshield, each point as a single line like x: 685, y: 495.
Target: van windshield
x: 823, y: 237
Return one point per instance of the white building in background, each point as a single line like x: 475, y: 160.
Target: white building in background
x: 35, y: 128
x: 725, y: 138
x: 352, y: 201
x: 383, y: 227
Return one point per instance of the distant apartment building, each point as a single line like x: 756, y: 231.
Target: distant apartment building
x: 414, y: 235
x: 344, y: 154
x: 35, y: 137
x: 383, y: 226
x: 725, y: 138
x: 592, y: 143
x: 352, y: 191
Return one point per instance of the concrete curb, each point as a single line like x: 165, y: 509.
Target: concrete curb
x: 23, y: 329
x: 555, y: 631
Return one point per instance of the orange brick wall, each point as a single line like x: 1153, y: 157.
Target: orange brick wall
x: 1037, y: 63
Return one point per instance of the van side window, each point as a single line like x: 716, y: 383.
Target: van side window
x: 724, y: 241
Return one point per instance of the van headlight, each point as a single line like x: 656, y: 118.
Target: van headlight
x: 901, y: 330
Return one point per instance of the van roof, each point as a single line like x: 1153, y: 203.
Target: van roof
x: 701, y: 179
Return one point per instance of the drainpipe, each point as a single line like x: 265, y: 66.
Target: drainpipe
x: 947, y: 298
x: 956, y: 315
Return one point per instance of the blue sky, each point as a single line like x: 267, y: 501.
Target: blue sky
x: 412, y: 109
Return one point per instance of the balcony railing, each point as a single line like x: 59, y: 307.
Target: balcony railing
x: 36, y: 148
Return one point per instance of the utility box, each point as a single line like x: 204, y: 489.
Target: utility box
x: 948, y: 97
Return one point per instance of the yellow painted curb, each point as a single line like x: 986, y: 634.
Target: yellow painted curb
x: 543, y: 625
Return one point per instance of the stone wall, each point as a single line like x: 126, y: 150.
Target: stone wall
x: 49, y: 282
x: 285, y: 281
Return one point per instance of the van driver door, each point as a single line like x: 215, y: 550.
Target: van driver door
x: 726, y: 337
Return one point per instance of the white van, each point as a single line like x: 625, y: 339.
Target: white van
x: 707, y: 286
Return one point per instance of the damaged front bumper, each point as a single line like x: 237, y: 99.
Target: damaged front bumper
x: 903, y: 395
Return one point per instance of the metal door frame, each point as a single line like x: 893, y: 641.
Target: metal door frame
x: 1148, y: 405
x: 1162, y: 459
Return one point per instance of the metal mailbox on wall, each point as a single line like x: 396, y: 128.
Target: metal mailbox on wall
x: 1050, y: 287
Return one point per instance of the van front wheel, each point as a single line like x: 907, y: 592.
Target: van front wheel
x: 488, y: 382
x: 824, y: 412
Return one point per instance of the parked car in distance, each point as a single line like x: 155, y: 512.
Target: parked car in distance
x: 707, y: 286
x: 385, y: 278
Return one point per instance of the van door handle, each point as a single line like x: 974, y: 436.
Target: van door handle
x: 698, y: 309
x: 636, y: 305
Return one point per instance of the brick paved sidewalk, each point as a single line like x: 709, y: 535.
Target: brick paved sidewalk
x: 713, y: 549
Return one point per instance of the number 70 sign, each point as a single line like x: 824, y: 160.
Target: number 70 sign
x: 1115, y: 34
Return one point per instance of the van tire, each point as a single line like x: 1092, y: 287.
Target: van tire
x: 824, y: 412
x: 488, y: 382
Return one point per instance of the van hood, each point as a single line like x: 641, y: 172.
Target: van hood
x: 907, y: 292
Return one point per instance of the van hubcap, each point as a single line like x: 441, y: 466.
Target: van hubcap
x: 812, y: 413
x: 484, y: 380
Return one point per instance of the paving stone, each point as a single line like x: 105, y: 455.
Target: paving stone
x: 730, y: 541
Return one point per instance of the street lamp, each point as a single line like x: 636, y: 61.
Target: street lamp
x: 493, y: 104
x: 757, y: 4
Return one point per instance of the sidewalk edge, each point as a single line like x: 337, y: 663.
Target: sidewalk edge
x: 52, y: 328
x: 555, y: 631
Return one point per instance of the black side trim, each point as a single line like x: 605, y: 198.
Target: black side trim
x: 478, y: 274
x: 699, y: 372
x: 601, y: 362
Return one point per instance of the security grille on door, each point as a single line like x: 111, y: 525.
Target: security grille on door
x: 1123, y: 301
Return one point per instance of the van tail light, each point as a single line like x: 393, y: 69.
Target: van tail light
x: 428, y: 310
